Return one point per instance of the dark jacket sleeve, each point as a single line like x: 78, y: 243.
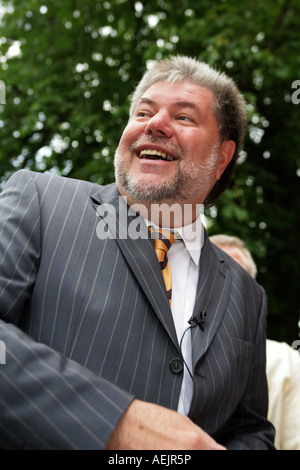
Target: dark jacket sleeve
x: 47, y: 401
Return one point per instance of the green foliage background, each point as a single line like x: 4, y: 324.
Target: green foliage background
x: 69, y: 66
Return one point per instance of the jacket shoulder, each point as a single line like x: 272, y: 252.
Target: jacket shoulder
x: 49, y: 180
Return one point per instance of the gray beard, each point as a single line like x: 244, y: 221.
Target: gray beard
x: 187, y: 184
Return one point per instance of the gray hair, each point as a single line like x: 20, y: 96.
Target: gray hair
x: 228, y: 107
x: 235, y: 242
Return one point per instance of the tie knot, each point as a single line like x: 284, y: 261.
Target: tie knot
x: 162, y: 239
x: 162, y: 242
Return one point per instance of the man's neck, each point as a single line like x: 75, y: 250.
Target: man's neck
x: 166, y: 214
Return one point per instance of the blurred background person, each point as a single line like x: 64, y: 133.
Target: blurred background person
x: 283, y: 364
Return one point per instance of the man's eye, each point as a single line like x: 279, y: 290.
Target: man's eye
x: 185, y: 118
x: 142, y: 114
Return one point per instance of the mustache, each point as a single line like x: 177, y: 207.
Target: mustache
x: 170, y: 148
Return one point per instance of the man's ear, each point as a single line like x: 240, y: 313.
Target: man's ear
x: 227, y: 150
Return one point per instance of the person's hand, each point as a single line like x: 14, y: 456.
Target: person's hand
x: 145, y: 426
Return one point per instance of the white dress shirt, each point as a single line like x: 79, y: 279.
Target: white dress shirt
x: 184, y: 259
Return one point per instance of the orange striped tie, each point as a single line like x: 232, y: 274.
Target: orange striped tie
x: 162, y: 241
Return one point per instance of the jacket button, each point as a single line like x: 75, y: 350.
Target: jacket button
x: 176, y: 365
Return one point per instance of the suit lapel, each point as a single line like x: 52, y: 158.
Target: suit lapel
x: 212, y: 297
x: 131, y: 234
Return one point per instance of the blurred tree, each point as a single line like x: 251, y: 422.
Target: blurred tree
x: 69, y: 67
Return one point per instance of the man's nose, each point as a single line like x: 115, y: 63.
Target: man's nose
x: 159, y: 125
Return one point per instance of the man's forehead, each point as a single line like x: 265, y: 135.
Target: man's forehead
x: 184, y: 92
x: 180, y: 86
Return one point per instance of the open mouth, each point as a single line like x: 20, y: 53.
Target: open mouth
x: 152, y: 154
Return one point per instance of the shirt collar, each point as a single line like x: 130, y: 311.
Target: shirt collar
x: 192, y: 236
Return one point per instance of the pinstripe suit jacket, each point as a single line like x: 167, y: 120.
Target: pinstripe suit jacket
x: 87, y: 327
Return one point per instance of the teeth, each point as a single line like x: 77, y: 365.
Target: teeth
x: 163, y: 155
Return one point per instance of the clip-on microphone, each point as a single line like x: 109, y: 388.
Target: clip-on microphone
x: 198, y: 322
